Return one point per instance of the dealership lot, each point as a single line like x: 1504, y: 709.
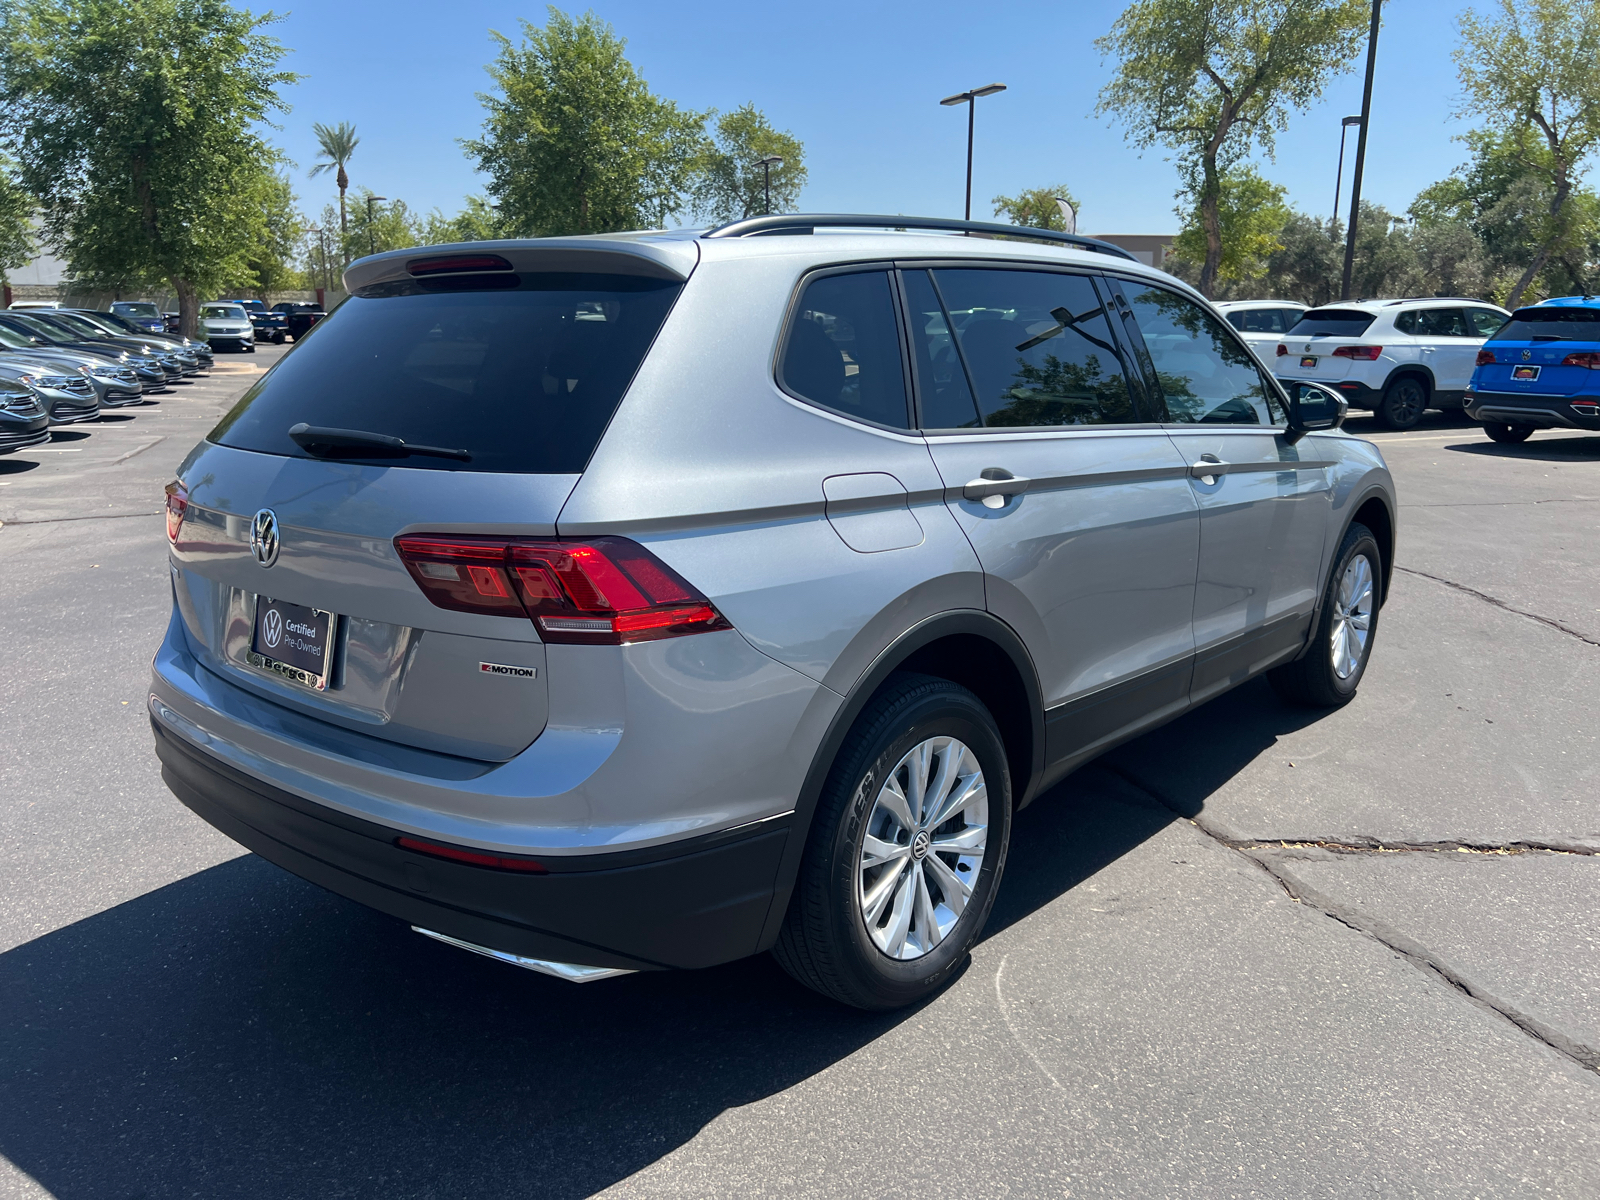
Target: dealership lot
x: 1263, y: 951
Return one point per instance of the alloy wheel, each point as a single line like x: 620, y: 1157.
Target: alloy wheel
x: 922, y: 848
x: 1352, y: 617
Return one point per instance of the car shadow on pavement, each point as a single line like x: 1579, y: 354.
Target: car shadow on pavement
x: 16, y: 466
x: 1575, y: 449
x: 244, y: 1032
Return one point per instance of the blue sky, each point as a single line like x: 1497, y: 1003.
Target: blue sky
x: 859, y: 83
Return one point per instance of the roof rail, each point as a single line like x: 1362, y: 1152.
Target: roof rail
x: 1409, y: 299
x: 802, y: 223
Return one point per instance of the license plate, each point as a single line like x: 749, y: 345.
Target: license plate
x: 1309, y: 360
x: 292, y: 641
x: 1528, y: 374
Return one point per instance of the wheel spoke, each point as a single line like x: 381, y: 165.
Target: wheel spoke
x: 970, y: 790
x: 917, y: 780
x: 970, y: 840
x: 875, y: 852
x: 872, y: 902
x: 956, y: 890
x: 927, y: 923
x: 949, y: 761
x: 893, y: 801
x: 894, y: 937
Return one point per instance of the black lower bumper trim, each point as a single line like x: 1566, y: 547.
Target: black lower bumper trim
x: 1542, y: 412
x: 693, y: 910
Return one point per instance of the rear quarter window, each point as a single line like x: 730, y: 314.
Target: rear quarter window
x: 525, y: 380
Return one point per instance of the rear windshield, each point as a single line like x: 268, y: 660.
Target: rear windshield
x: 1331, y: 322
x: 523, y: 381
x: 1564, y: 324
x: 135, y: 309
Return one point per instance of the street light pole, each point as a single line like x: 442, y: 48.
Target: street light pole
x: 372, y: 242
x: 1338, y: 180
x: 1361, y: 153
x: 970, y: 99
x: 766, y: 165
x: 317, y: 229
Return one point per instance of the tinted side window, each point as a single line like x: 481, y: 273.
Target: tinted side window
x: 1037, y: 348
x: 941, y: 380
x: 1442, y: 322
x: 1408, y: 322
x: 843, y: 350
x: 1485, y: 322
x: 1203, y: 372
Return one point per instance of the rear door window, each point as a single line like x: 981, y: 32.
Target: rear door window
x: 1201, y: 369
x: 1037, y: 348
x: 524, y: 380
x: 843, y: 349
x: 1443, y: 322
x: 1332, y: 322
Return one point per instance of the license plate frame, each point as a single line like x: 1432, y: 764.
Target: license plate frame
x: 1521, y: 374
x: 1308, y: 362
x: 312, y: 669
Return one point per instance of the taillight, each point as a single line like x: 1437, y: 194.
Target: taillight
x: 177, y: 505
x: 1365, y: 353
x: 1485, y: 358
x: 1583, y: 358
x: 1282, y: 349
x: 600, y: 591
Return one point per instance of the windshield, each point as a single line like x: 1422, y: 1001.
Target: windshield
x: 222, y: 312
x: 135, y: 308
x: 39, y: 329
x: 524, y: 380
x: 1331, y: 322
x: 78, y: 324
x: 1565, y: 324
x: 12, y: 340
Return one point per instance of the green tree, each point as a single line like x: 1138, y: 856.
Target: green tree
x: 335, y: 146
x: 1036, y: 207
x: 16, y: 222
x: 1308, y: 265
x: 1251, y: 214
x: 727, y: 183
x: 476, y: 222
x: 575, y: 141
x: 381, y: 225
x: 1215, y: 79
x: 269, y: 258
x: 137, y: 118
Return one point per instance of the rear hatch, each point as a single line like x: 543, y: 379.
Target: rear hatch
x: 1545, y: 351
x: 1324, y: 344
x: 499, y: 380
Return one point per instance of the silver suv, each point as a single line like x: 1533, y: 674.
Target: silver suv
x: 614, y: 603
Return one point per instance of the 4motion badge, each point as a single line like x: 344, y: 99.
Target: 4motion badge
x: 503, y: 669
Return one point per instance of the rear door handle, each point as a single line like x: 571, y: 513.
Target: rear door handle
x: 994, y: 486
x: 1206, y: 470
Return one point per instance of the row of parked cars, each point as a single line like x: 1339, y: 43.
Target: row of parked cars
x: 222, y: 319
x: 61, y: 366
x: 1400, y: 358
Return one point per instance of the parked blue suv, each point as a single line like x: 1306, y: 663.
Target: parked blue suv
x: 1541, y: 371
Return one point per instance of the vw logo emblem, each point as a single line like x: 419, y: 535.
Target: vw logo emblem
x: 264, y: 537
x: 920, y: 844
x: 1526, y: 355
x: 272, y: 627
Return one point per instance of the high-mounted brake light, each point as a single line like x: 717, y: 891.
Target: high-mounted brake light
x: 1583, y: 358
x: 473, y: 858
x: 457, y: 264
x: 1365, y: 353
x: 604, y: 591
x: 1485, y: 358
x: 177, y: 506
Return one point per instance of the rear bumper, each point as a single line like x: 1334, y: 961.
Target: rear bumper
x: 1356, y: 394
x: 1542, y: 412
x: 688, y: 905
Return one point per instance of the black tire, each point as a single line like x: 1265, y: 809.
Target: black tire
x: 1312, y: 680
x: 277, y: 339
x: 824, y: 942
x: 250, y: 349
x: 1404, y: 401
x: 1507, y: 435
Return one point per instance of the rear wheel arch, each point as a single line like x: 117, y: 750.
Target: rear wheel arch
x: 969, y: 647
x: 1412, y: 371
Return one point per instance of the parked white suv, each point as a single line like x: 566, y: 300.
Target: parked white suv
x: 1262, y: 323
x: 1396, y: 357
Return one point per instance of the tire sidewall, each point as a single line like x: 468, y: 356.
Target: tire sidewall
x: 946, y: 713
x: 1392, y: 394
x: 1358, y: 543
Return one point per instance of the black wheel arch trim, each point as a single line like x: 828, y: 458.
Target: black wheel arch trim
x: 1410, y: 370
x: 972, y: 622
x: 1373, y: 491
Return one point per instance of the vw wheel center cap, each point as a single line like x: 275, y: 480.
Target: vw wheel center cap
x: 264, y: 537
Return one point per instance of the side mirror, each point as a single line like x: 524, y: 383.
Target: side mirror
x: 1312, y: 407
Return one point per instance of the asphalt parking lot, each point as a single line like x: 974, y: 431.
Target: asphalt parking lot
x: 1261, y: 952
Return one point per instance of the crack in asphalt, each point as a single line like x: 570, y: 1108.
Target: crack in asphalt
x: 90, y: 517
x: 1587, y: 1057
x: 1501, y: 604
x: 1508, y: 503
x: 1378, y: 846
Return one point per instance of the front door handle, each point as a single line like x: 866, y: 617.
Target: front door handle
x: 994, y: 486
x: 1206, y: 469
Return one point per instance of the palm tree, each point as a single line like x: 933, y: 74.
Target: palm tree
x: 335, y: 146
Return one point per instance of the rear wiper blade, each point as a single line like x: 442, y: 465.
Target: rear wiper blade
x: 337, y: 443
x: 1549, y: 337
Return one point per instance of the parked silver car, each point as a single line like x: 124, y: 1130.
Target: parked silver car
x: 616, y: 603
x: 66, y: 392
